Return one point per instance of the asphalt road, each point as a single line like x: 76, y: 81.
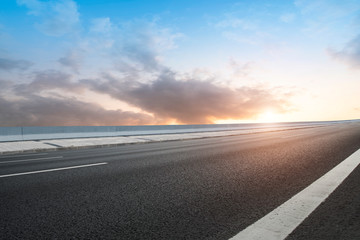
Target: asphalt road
x: 194, y: 189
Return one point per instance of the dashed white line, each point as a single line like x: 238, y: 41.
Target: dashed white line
x: 30, y: 160
x: 22, y: 155
x: 279, y: 223
x: 52, y: 170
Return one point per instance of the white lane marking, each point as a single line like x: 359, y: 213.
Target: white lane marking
x: 22, y: 155
x: 279, y: 223
x: 32, y: 159
x: 52, y: 170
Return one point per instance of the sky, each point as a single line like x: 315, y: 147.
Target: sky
x: 142, y: 62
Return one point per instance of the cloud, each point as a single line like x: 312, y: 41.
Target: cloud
x: 327, y: 9
x: 329, y: 15
x: 240, y: 70
x: 35, y: 7
x: 192, y: 101
x: 133, y: 46
x: 49, y: 80
x: 29, y: 108
x: 57, y: 17
x: 168, y: 97
x: 142, y: 81
x: 137, y: 78
x: 141, y: 43
x: 350, y: 54
x: 101, y: 25
x: 72, y: 60
x: 323, y: 16
x: 9, y: 64
x: 41, y: 111
x: 5, y: 85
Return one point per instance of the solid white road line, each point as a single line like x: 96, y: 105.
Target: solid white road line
x: 30, y: 160
x: 52, y: 170
x: 279, y: 223
x: 22, y: 155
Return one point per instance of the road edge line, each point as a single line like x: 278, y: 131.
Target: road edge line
x: 52, y: 170
x: 279, y: 223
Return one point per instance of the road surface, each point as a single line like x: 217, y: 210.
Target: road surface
x: 194, y: 189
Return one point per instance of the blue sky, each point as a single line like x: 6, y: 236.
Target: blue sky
x: 67, y: 62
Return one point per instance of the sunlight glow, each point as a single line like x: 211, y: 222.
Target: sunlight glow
x: 269, y: 117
